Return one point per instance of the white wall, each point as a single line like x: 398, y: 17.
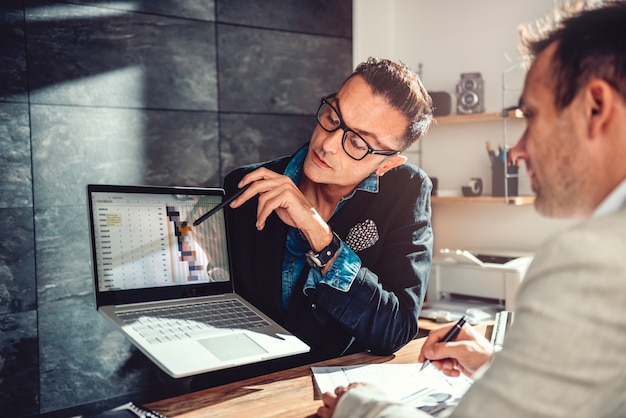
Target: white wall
x: 450, y: 37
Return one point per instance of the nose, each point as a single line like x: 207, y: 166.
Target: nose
x: 332, y: 141
x: 518, y: 152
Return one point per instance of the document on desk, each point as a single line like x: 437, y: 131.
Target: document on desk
x: 429, y: 390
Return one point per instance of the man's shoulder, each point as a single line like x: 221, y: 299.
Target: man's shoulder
x: 600, y: 242
x: 410, y: 169
x: 404, y: 174
x: 277, y: 162
x: 608, y: 228
x: 278, y: 165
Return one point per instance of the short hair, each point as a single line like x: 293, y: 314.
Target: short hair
x: 591, y: 43
x: 402, y: 88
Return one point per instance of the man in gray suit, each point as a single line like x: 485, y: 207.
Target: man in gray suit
x: 565, y: 354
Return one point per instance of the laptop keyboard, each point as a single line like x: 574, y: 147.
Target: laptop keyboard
x: 164, y: 324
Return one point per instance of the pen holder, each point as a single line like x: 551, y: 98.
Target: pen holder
x: 497, y: 172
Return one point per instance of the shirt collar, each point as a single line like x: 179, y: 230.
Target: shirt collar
x: 294, y: 170
x: 613, y: 202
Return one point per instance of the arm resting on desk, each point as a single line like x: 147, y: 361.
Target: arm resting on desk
x: 370, y: 402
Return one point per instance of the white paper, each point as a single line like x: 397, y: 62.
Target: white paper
x: 429, y: 390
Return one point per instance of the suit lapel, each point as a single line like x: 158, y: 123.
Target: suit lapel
x: 270, y: 244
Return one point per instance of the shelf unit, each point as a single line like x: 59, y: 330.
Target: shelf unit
x: 505, y: 119
x: 511, y: 200
x: 477, y: 118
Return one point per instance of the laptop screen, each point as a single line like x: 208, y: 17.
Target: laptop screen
x: 143, y: 238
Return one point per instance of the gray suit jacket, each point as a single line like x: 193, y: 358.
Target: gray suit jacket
x: 565, y: 355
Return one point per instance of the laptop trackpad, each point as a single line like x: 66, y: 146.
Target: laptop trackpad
x: 230, y: 347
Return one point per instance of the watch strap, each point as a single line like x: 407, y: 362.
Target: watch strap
x: 320, y: 259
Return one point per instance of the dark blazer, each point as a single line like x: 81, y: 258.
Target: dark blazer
x: 379, y: 312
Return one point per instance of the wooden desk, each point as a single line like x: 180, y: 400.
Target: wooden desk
x: 288, y: 393
x: 430, y: 325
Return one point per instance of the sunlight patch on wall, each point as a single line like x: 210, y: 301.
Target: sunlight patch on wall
x: 122, y: 87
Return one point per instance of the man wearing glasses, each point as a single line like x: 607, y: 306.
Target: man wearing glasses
x: 335, y: 241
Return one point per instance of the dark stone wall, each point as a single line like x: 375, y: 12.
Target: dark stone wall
x: 132, y: 92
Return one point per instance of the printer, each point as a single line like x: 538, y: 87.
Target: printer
x: 477, y: 284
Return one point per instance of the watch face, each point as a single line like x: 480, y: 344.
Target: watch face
x: 313, y: 260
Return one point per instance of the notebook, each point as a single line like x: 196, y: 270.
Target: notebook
x: 152, y: 268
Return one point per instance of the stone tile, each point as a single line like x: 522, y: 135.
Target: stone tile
x: 324, y: 17
x: 13, y: 82
x: 194, y: 9
x: 18, y: 291
x: 63, y: 255
x: 181, y: 149
x: 82, y: 55
x: 84, y: 359
x: 277, y: 72
x: 15, y: 174
x: 19, y: 368
x: 76, y: 146
x: 250, y: 139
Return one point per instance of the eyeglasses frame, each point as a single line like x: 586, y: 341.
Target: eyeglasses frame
x: 342, y: 125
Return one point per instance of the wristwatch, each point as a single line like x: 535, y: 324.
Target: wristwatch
x: 319, y: 260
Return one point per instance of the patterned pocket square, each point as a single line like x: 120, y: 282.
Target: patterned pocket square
x: 362, y: 236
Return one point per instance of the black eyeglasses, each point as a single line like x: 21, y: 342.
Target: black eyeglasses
x: 353, y: 144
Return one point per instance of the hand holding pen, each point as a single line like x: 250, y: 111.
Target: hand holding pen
x: 450, y: 335
x: 457, y: 349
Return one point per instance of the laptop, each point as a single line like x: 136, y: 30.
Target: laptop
x: 158, y: 278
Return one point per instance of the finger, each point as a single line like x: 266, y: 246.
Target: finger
x: 340, y: 390
x: 448, y: 363
x: 243, y: 197
x: 454, y: 349
x: 270, y: 196
x: 434, y: 337
x: 323, y: 412
x: 451, y: 372
x: 328, y: 397
x: 449, y: 367
x: 258, y: 186
x: 255, y: 179
x: 282, y: 195
x: 239, y: 197
x: 261, y: 173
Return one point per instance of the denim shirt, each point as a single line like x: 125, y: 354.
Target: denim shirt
x: 387, y: 234
x: 343, y: 270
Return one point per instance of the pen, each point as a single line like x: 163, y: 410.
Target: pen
x: 221, y: 205
x: 490, y: 152
x: 451, y: 335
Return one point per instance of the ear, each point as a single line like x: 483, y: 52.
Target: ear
x: 390, y: 163
x: 599, y: 102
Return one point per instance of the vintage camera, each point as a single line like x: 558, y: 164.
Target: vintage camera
x: 470, y: 94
